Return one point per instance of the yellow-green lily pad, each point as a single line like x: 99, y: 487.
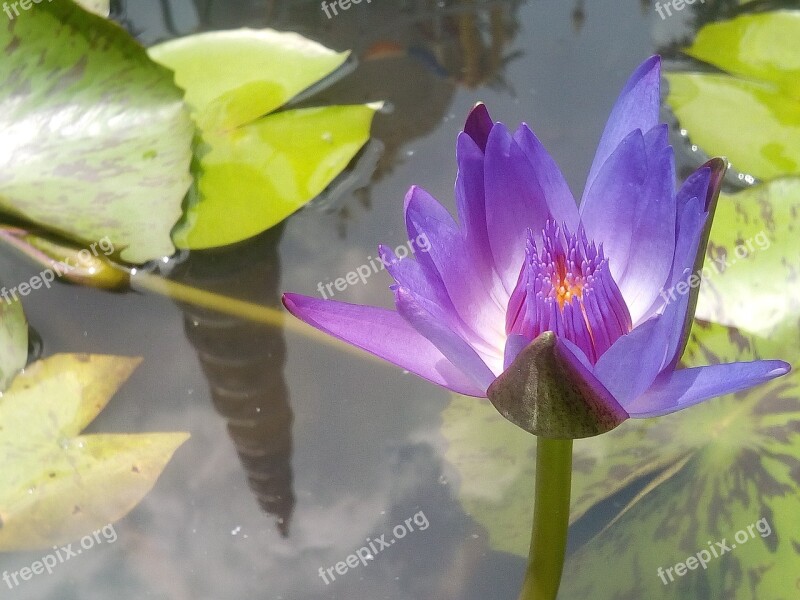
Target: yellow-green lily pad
x: 57, y: 485
x: 752, y: 115
x: 256, y: 166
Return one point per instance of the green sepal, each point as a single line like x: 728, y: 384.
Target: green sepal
x: 546, y: 396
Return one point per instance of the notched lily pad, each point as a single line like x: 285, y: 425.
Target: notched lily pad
x: 256, y: 166
x: 56, y: 485
x: 95, y: 139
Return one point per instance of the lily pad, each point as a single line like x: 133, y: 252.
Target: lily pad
x: 83, y: 117
x: 753, y: 265
x: 234, y: 77
x: 753, y: 115
x: 256, y: 170
x: 743, y: 473
x: 13, y: 340
x: 57, y: 485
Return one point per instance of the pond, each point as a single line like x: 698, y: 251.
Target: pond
x: 314, y: 471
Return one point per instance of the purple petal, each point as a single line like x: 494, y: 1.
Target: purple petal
x: 515, y: 203
x: 653, y: 236
x: 426, y: 319
x: 559, y: 197
x: 691, y: 221
x: 515, y: 344
x: 634, y: 361
x: 449, y: 261
x: 695, y: 204
x: 636, y: 108
x: 609, y: 208
x: 385, y: 334
x: 471, y: 205
x: 479, y: 124
x: 680, y: 389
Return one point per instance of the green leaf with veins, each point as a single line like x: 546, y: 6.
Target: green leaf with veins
x: 57, y: 485
x: 256, y: 166
x: 744, y: 467
x: 96, y: 140
x: 752, y: 116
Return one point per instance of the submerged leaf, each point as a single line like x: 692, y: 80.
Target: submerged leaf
x: 96, y: 140
x: 13, y: 339
x: 752, y: 117
x: 57, y: 485
x: 256, y: 170
x: 744, y: 470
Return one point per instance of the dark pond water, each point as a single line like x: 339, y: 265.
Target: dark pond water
x: 301, y: 453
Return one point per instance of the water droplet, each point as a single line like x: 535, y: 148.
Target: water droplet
x: 409, y: 153
x: 236, y: 531
x: 442, y: 480
x: 327, y: 137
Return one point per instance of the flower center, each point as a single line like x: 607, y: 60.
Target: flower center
x: 567, y: 288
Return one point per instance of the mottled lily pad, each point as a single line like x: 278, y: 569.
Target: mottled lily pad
x: 751, y: 116
x: 95, y: 139
x: 744, y: 467
x: 753, y: 265
x: 257, y: 166
x: 57, y: 485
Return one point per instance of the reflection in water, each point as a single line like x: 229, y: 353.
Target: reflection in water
x: 411, y: 54
x: 578, y: 16
x: 243, y: 363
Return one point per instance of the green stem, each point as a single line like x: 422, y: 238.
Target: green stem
x: 550, y: 519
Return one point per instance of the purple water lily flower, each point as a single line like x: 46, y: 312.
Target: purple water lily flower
x: 529, y: 291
